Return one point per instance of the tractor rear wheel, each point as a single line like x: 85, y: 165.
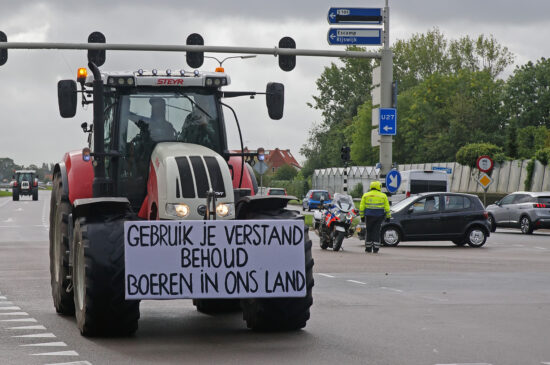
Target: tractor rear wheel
x: 280, y: 314
x: 98, y: 279
x: 60, y: 208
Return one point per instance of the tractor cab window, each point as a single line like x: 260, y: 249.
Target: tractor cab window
x: 24, y: 177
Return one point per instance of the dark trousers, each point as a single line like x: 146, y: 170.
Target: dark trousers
x: 373, y: 223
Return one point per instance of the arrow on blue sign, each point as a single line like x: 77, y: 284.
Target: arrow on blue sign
x: 393, y: 180
x: 354, y: 16
x: 350, y: 36
x: 388, y: 122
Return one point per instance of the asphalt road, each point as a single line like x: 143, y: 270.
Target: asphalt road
x: 428, y: 303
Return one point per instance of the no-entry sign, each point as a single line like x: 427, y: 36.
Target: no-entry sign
x: 484, y: 163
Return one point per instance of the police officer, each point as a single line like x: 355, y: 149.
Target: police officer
x: 374, y: 208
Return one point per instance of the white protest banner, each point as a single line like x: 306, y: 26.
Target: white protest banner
x: 214, y: 259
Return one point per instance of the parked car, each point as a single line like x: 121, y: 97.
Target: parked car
x: 276, y: 191
x: 524, y: 210
x: 313, y: 199
x: 442, y: 216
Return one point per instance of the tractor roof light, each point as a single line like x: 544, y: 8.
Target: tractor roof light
x: 81, y: 75
x: 220, y: 69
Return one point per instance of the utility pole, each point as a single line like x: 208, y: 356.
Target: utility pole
x: 386, y: 66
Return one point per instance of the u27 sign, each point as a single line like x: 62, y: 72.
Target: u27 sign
x: 214, y: 259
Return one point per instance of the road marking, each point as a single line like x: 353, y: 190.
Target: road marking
x: 392, y: 289
x: 467, y: 363
x: 72, y: 363
x: 326, y: 275
x: 518, y: 245
x: 18, y: 320
x: 14, y: 314
x: 57, y: 353
x: 18, y: 227
x: 38, y: 335
x: 3, y: 298
x: 37, y: 327
x: 434, y: 298
x: 46, y: 344
x: 5, y: 302
x: 4, y: 202
x: 545, y: 363
x: 540, y: 248
x: 11, y: 308
x: 356, y: 282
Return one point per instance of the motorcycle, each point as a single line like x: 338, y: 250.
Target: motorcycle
x: 335, y: 222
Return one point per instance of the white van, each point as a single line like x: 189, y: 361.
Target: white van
x: 420, y: 181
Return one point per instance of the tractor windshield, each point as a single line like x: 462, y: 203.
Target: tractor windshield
x: 190, y: 116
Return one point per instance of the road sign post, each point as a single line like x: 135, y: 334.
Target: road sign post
x: 485, y: 181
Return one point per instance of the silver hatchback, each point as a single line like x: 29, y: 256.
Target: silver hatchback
x: 523, y: 209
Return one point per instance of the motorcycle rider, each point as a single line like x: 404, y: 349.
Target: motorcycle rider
x: 374, y: 208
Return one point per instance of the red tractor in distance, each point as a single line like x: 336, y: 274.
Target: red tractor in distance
x: 157, y: 151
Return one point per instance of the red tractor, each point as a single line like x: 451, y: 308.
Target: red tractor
x: 157, y: 151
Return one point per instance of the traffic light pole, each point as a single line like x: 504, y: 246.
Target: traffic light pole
x: 386, y: 69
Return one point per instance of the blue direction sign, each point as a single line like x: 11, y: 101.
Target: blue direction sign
x: 350, y: 36
x: 393, y: 180
x: 354, y: 16
x: 388, y: 122
x: 448, y: 170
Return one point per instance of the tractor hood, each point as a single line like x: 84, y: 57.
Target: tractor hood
x: 183, y: 174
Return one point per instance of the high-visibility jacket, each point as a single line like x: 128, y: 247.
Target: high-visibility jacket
x: 374, y: 203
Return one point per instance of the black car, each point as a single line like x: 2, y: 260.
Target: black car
x: 460, y: 218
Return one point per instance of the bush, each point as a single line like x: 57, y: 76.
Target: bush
x: 543, y: 155
x: 529, y: 177
x: 467, y: 155
x: 357, y: 191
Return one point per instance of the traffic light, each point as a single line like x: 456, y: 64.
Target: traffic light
x: 287, y: 63
x: 344, y: 153
x: 195, y: 59
x: 97, y: 56
x: 4, y: 51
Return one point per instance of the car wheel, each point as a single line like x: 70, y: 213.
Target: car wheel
x: 525, y: 225
x: 476, y: 237
x: 391, y: 236
x: 492, y: 223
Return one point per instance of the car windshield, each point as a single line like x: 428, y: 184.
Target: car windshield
x: 276, y: 192
x: 320, y: 195
x: 403, y: 203
x: 343, y: 202
x: 190, y: 116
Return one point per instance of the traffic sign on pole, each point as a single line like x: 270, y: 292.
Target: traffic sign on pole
x: 261, y: 167
x: 485, y: 180
x: 354, y: 36
x: 484, y: 163
x: 387, y: 125
x: 393, y: 180
x: 354, y: 16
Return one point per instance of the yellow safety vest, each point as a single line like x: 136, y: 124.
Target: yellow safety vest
x: 376, y: 202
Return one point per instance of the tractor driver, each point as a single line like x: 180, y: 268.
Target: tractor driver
x: 159, y: 127
x: 198, y: 129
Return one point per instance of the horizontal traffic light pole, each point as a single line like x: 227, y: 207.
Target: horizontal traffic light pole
x: 190, y: 48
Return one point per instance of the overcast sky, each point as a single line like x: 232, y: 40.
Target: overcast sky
x: 31, y: 130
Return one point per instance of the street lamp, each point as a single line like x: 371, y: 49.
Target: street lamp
x: 220, y: 69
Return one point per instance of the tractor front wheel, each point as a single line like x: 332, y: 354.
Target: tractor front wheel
x: 98, y: 279
x: 280, y: 314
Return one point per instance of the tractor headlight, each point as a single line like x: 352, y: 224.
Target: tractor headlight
x: 177, y: 210
x: 223, y: 210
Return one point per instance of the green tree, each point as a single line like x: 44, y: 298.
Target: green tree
x: 285, y: 172
x: 530, y: 139
x: 527, y: 95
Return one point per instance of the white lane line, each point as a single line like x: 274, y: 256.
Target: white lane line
x: 356, y: 282
x: 18, y: 227
x: 45, y: 216
x: 545, y: 363
x: 467, y: 363
x: 14, y: 314
x: 326, y: 275
x: 541, y: 248
x: 11, y: 308
x: 3, y: 298
x: 72, y: 363
x: 434, y: 298
x: 37, y: 335
x: 37, y: 327
x: 57, y: 353
x: 392, y: 289
x: 518, y: 245
x: 46, y: 344
x: 5, y: 302
x: 19, y: 320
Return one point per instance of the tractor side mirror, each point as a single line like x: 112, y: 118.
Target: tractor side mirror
x: 66, y: 95
x: 275, y: 100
